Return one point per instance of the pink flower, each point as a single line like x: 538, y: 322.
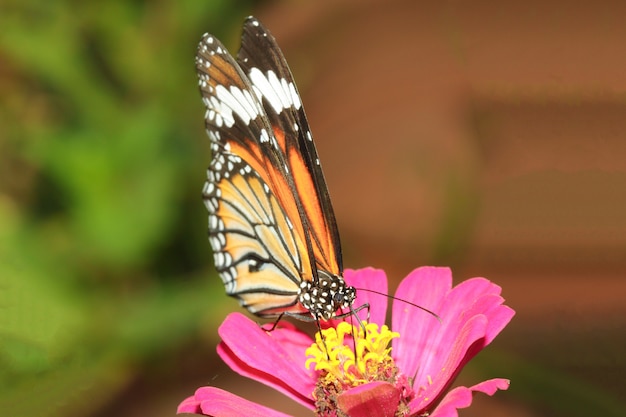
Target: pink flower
x: 412, y: 378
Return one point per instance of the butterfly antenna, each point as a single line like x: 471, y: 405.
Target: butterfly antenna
x: 432, y: 313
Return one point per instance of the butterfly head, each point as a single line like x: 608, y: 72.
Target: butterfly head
x: 324, y: 297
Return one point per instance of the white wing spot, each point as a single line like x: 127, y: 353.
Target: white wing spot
x: 246, y: 101
x: 295, y: 97
x: 211, y: 205
x: 215, y: 243
x: 264, y: 89
x: 234, y: 101
x: 278, y: 92
x: 223, y: 108
x: 218, y: 258
x: 278, y: 86
x: 212, y: 221
x: 264, y: 136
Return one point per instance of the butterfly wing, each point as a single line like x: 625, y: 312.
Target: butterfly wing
x: 259, y: 250
x: 263, y: 62
x: 271, y: 223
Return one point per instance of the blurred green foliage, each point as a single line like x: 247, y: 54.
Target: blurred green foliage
x: 104, y: 263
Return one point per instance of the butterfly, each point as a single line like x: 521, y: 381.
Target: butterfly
x: 271, y: 223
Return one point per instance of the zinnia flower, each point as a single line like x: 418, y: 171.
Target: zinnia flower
x: 337, y: 375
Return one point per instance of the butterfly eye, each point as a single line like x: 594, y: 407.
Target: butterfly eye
x: 345, y: 298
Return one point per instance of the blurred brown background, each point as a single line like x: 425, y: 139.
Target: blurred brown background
x: 486, y: 136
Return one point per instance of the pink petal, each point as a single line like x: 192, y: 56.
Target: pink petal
x: 189, y: 405
x: 483, y: 297
x: 490, y: 386
x: 426, y: 287
x: 366, y: 280
x: 374, y: 399
x: 461, y: 397
x: 210, y: 401
x: 474, y: 297
x: 435, y: 352
x: 430, y: 384
x: 274, y: 358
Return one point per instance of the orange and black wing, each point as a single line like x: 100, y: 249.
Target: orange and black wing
x: 270, y: 221
x: 263, y: 62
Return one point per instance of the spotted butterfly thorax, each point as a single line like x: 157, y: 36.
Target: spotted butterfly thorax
x: 271, y: 223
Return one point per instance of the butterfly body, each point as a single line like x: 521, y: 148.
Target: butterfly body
x: 271, y: 223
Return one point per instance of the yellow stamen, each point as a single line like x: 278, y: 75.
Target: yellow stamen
x: 342, y: 365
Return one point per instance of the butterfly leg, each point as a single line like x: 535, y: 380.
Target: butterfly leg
x: 300, y: 317
x: 275, y: 323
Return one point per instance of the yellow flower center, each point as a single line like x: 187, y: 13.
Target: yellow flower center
x: 349, y: 356
x: 347, y: 361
